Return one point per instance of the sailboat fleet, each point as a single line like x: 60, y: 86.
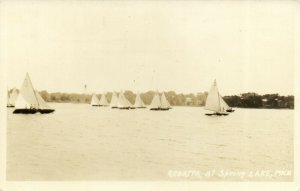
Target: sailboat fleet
x: 29, y: 101
x: 96, y: 102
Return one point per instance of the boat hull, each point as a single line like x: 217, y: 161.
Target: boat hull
x: 124, y: 108
x: 25, y: 111
x: 155, y: 109
x: 159, y: 109
x: 33, y: 111
x: 230, y: 110
x: 10, y: 106
x: 216, y: 114
x: 164, y: 109
x: 45, y: 111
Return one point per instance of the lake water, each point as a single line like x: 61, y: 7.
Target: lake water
x: 80, y: 142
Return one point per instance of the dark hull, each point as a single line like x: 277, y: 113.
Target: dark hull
x: 96, y: 105
x: 166, y: 109
x: 10, y: 106
x: 155, y: 109
x: 25, y: 111
x: 159, y: 109
x: 124, y: 108
x: 103, y: 105
x: 33, y: 111
x: 114, y: 107
x: 216, y: 114
x: 230, y: 110
x: 45, y: 111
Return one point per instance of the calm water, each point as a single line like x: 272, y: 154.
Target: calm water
x: 80, y: 142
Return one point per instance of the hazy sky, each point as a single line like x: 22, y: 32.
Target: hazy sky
x: 149, y: 45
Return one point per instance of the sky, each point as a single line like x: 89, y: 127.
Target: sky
x: 150, y: 45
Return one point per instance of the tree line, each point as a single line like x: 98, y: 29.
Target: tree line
x: 245, y: 100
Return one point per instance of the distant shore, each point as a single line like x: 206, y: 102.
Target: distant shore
x: 245, y: 100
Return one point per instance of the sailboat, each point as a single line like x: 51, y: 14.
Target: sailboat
x: 159, y: 103
x: 155, y: 104
x: 12, y: 97
x: 95, y: 101
x: 139, y: 102
x: 29, y: 100
x: 114, y: 100
x: 103, y: 100
x: 214, y: 101
x: 123, y: 103
x: 165, y: 105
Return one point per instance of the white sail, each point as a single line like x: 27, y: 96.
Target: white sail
x: 114, y: 100
x: 164, y: 102
x: 27, y: 98
x: 155, y: 104
x: 103, y: 100
x: 123, y: 102
x: 21, y: 103
x: 95, y: 101
x: 225, y: 105
x: 214, y: 100
x: 12, y: 97
x: 138, y: 101
x: 42, y: 103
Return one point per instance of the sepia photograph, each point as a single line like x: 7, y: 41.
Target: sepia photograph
x: 135, y: 91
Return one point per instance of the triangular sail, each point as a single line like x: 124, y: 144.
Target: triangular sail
x: 114, y: 100
x: 225, y: 105
x: 214, y: 100
x: 164, y: 102
x: 12, y: 97
x: 95, y: 101
x: 123, y: 102
x: 155, y: 104
x: 42, y: 103
x: 103, y: 100
x: 27, y: 98
x: 138, y: 101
